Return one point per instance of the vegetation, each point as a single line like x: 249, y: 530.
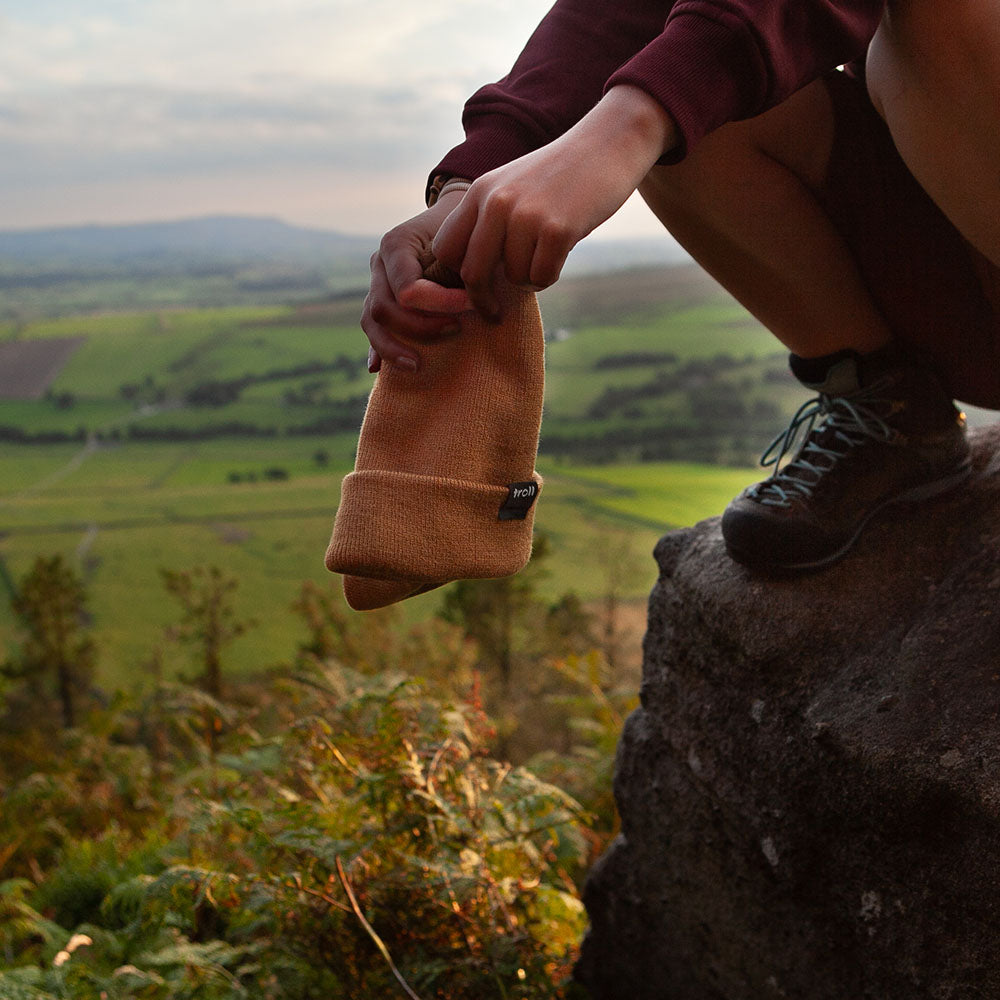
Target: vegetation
x: 342, y: 827
x: 209, y: 622
x: 117, y: 515
x: 715, y: 397
x: 131, y: 477
x: 215, y: 780
x: 56, y: 653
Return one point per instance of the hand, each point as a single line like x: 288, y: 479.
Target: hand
x: 402, y: 305
x: 526, y: 216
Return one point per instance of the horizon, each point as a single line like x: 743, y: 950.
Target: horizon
x: 324, y: 115
x: 44, y: 266
x: 180, y: 220
x: 599, y: 236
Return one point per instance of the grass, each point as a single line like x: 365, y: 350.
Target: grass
x: 702, y: 331
x: 121, y: 513
x: 180, y: 348
x: 125, y: 513
x: 656, y: 495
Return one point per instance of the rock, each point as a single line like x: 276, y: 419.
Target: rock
x: 810, y: 791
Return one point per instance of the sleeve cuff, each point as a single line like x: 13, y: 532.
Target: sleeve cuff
x: 703, y: 72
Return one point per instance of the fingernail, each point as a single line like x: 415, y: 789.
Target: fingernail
x: 372, y: 360
x: 407, y: 364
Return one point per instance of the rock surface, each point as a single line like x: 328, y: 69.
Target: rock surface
x: 810, y: 792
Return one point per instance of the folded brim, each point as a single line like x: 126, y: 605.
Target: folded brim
x: 401, y: 526
x: 364, y: 593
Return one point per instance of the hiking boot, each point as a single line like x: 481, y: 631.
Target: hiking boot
x: 878, y: 433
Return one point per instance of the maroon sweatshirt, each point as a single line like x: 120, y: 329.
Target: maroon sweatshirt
x: 707, y: 62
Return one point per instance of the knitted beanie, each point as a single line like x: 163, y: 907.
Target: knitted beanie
x: 444, y: 483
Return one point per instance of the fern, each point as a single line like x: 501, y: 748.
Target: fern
x: 369, y: 847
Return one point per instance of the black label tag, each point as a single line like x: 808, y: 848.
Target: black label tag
x: 520, y: 497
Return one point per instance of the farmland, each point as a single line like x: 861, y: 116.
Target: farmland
x: 214, y: 806
x: 170, y: 438
x: 122, y: 513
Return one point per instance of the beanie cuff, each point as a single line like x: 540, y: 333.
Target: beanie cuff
x: 401, y: 525
x: 364, y: 593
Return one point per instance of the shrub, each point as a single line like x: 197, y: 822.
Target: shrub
x: 370, y: 849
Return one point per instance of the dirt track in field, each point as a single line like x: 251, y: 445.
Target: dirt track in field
x: 27, y: 367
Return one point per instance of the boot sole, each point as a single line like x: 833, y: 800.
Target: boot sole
x: 916, y: 494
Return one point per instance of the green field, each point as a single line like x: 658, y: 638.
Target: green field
x: 123, y: 513
x: 689, y: 371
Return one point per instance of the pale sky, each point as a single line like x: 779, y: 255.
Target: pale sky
x: 326, y: 113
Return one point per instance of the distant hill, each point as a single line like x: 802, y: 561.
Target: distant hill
x: 213, y: 261
x: 218, y: 260
x: 236, y: 237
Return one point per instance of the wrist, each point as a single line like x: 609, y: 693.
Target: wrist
x: 442, y: 185
x: 639, y: 121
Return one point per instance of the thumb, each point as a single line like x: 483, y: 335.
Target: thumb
x: 429, y: 296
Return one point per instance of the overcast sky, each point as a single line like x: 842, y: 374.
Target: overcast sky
x: 322, y: 112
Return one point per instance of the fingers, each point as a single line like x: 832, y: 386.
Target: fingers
x: 391, y: 327
x: 430, y: 297
x: 534, y: 255
x: 504, y: 228
x: 403, y: 252
x: 402, y: 306
x: 547, y: 262
x: 497, y: 229
x: 470, y: 242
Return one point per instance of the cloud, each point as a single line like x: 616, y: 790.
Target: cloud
x: 114, y: 130
x: 229, y: 42
x: 126, y: 85
x: 332, y: 110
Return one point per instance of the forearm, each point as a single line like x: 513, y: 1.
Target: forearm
x: 556, y: 80
x: 629, y: 129
x: 706, y: 62
x: 527, y: 215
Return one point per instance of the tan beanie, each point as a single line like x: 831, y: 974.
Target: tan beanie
x: 444, y: 483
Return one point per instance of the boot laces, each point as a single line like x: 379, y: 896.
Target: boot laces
x: 846, y: 424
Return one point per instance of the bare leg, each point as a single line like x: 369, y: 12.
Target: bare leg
x: 934, y: 75
x: 748, y: 205
x: 743, y: 204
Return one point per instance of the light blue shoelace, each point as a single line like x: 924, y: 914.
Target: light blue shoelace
x: 851, y: 423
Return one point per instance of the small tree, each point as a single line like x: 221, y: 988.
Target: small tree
x: 381, y: 640
x: 209, y: 621
x: 620, y: 567
x: 496, y: 613
x: 368, y: 644
x: 56, y: 652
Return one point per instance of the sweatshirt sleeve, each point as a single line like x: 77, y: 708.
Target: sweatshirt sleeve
x: 707, y: 62
x: 718, y: 61
x: 556, y: 80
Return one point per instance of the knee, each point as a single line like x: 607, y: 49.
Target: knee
x: 929, y: 42
x: 667, y: 186
x: 895, y: 57
x: 709, y: 166
x: 697, y: 189
x: 797, y: 135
